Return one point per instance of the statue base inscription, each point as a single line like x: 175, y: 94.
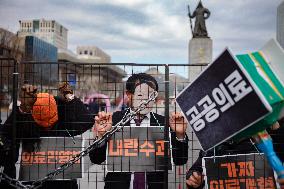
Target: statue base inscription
x: 200, y: 52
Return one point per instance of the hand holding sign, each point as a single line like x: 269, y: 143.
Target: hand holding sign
x: 195, y: 180
x: 264, y: 143
x: 103, y: 123
x: 178, y: 124
x: 222, y: 102
x: 281, y: 182
x: 27, y: 97
x: 65, y: 92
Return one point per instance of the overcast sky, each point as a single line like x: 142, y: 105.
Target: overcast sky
x: 149, y: 31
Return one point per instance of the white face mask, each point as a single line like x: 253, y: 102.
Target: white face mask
x: 142, y: 92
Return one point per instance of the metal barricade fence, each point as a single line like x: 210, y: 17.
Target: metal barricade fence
x: 101, y: 87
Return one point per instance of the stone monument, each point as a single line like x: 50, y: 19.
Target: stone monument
x: 199, y: 52
x: 200, y: 46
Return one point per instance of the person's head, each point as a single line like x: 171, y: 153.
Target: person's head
x: 138, y: 88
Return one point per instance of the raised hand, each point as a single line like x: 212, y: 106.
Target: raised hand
x: 195, y: 180
x: 281, y: 183
x: 103, y: 123
x: 178, y: 124
x: 65, y: 92
x: 27, y: 97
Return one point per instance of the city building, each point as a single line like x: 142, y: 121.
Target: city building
x: 47, y: 30
x: 41, y: 68
x: 177, y: 82
x: 91, y: 72
x: 93, y: 53
x: 280, y: 24
x: 37, y: 59
x: 39, y: 50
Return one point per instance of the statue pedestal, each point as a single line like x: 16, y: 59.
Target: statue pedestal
x: 199, y: 52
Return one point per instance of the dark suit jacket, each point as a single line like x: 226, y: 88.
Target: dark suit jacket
x: 154, y: 179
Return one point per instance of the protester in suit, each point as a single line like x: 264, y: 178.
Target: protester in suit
x: 138, y: 87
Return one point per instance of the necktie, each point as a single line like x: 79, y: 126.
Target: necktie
x: 139, y: 177
x: 138, y: 120
x: 139, y: 180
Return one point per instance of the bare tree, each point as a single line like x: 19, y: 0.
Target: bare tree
x: 11, y: 50
x: 11, y: 45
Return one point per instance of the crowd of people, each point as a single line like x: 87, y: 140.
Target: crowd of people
x: 44, y: 115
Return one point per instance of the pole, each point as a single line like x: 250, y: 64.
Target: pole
x: 190, y: 21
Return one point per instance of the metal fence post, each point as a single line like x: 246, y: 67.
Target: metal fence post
x: 166, y: 130
x: 14, y: 110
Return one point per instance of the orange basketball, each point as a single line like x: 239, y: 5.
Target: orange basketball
x: 45, y: 111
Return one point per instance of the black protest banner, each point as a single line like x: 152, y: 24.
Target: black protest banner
x: 222, y: 101
x: 238, y: 171
x: 50, y: 154
x: 137, y: 149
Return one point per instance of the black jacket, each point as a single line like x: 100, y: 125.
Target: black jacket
x: 154, y: 179
x: 241, y: 147
x: 227, y: 148
x: 73, y: 119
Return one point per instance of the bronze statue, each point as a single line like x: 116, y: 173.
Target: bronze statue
x: 200, y: 14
